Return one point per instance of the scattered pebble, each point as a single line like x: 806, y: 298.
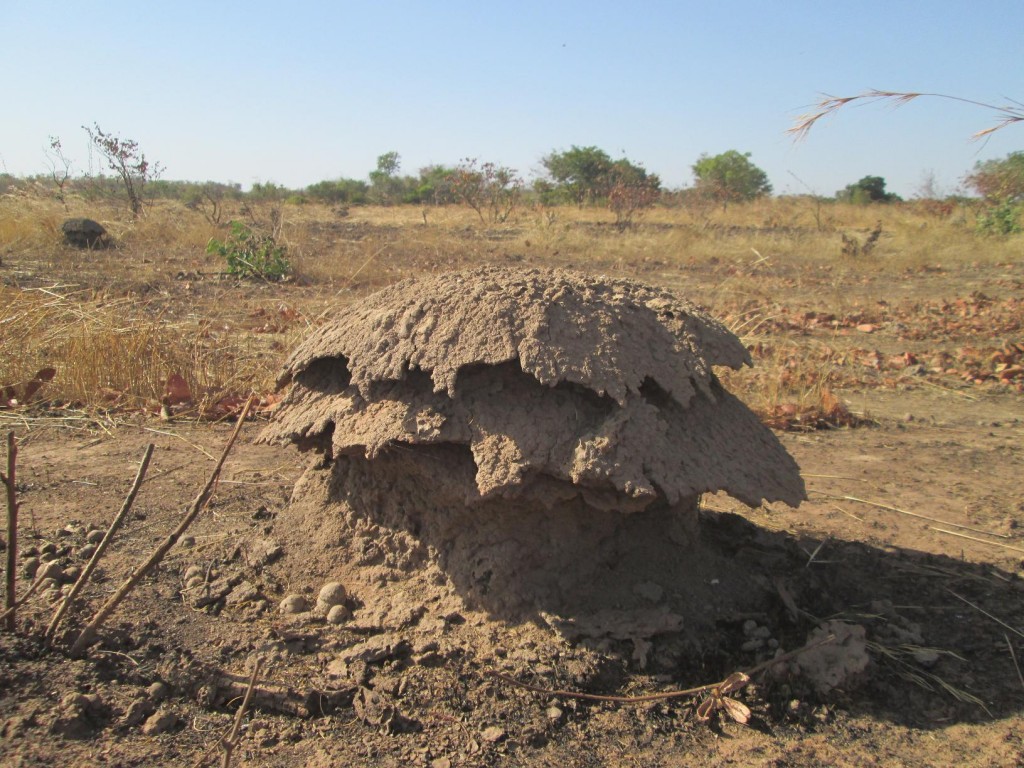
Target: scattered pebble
x: 95, y: 536
x: 85, y: 552
x: 159, y: 722
x: 493, y: 734
x: 194, y: 581
x: 29, y: 567
x: 192, y: 571
x: 749, y: 626
x: 331, y: 594
x: 187, y: 541
x: 553, y: 713
x: 157, y: 691
x: 71, y: 574
x: 51, y: 570
x: 338, y: 614
x: 294, y: 604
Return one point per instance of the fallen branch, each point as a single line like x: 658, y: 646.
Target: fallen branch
x: 87, y: 635
x: 12, y: 531
x: 83, y: 578
x: 665, y: 694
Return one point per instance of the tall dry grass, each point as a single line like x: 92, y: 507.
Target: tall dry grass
x: 117, y: 323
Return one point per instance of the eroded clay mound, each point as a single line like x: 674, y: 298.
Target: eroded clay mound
x: 521, y: 433
x: 606, y: 335
x: 605, y: 386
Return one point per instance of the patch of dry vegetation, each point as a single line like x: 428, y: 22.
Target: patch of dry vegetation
x: 117, y: 323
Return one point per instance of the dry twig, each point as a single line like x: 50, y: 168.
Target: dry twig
x: 12, y: 530
x: 728, y: 683
x: 232, y: 739
x: 87, y: 635
x: 829, y: 105
x: 913, y: 514
x: 980, y: 541
x: 119, y: 519
x: 982, y: 611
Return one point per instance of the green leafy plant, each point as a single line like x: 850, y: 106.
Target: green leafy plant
x: 251, y: 254
x: 730, y: 178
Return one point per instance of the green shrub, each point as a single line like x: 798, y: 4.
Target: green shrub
x: 1001, y: 218
x: 250, y: 254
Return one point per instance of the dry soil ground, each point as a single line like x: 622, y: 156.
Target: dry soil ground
x: 913, y: 531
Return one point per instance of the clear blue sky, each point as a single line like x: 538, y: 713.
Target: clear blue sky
x: 299, y: 92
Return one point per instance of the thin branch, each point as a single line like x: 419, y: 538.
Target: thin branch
x: 87, y: 635
x: 233, y: 738
x: 10, y: 482
x: 829, y: 105
x: 119, y: 519
x: 982, y: 611
x: 657, y: 696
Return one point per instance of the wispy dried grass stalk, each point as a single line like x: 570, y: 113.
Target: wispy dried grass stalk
x: 1008, y: 114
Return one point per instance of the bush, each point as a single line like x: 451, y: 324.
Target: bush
x: 1001, y: 218
x: 250, y: 254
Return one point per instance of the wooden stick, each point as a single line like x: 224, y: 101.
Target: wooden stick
x: 982, y: 611
x: 87, y: 635
x: 980, y: 541
x: 913, y: 514
x: 83, y: 578
x: 657, y: 696
x: 24, y: 598
x: 233, y: 738
x: 12, y: 531
x: 1013, y: 656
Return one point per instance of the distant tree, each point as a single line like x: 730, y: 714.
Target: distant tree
x: 60, y: 169
x: 343, y: 191
x: 581, y: 172
x: 1001, y: 184
x: 870, y: 189
x: 729, y: 178
x: 128, y: 161
x: 434, y: 186
x: 999, y: 180
x: 487, y: 187
x: 268, y: 192
x: 385, y: 185
x: 632, y: 190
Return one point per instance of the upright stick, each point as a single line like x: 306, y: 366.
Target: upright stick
x: 87, y: 635
x: 119, y: 518
x: 12, y: 530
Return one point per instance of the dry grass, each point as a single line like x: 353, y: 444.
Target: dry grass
x: 117, y: 323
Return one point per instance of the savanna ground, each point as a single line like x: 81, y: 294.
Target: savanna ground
x: 894, y: 376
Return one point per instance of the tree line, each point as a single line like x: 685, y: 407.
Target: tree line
x: 581, y: 175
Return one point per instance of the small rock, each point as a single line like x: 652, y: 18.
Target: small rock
x: 51, y: 570
x: 29, y: 567
x: 194, y: 581
x: 159, y: 722
x: 49, y: 548
x: 762, y: 632
x: 493, y: 734
x: 294, y: 604
x: 187, y: 542
x: 157, y: 691
x: 749, y: 626
x: 338, y: 614
x: 649, y: 591
x: 554, y: 714
x: 86, y: 551
x: 71, y: 574
x: 95, y: 536
x: 752, y: 645
x: 192, y: 571
x: 332, y: 593
x: 47, y: 584
x: 926, y: 657
x: 441, y: 762
x: 137, y: 711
